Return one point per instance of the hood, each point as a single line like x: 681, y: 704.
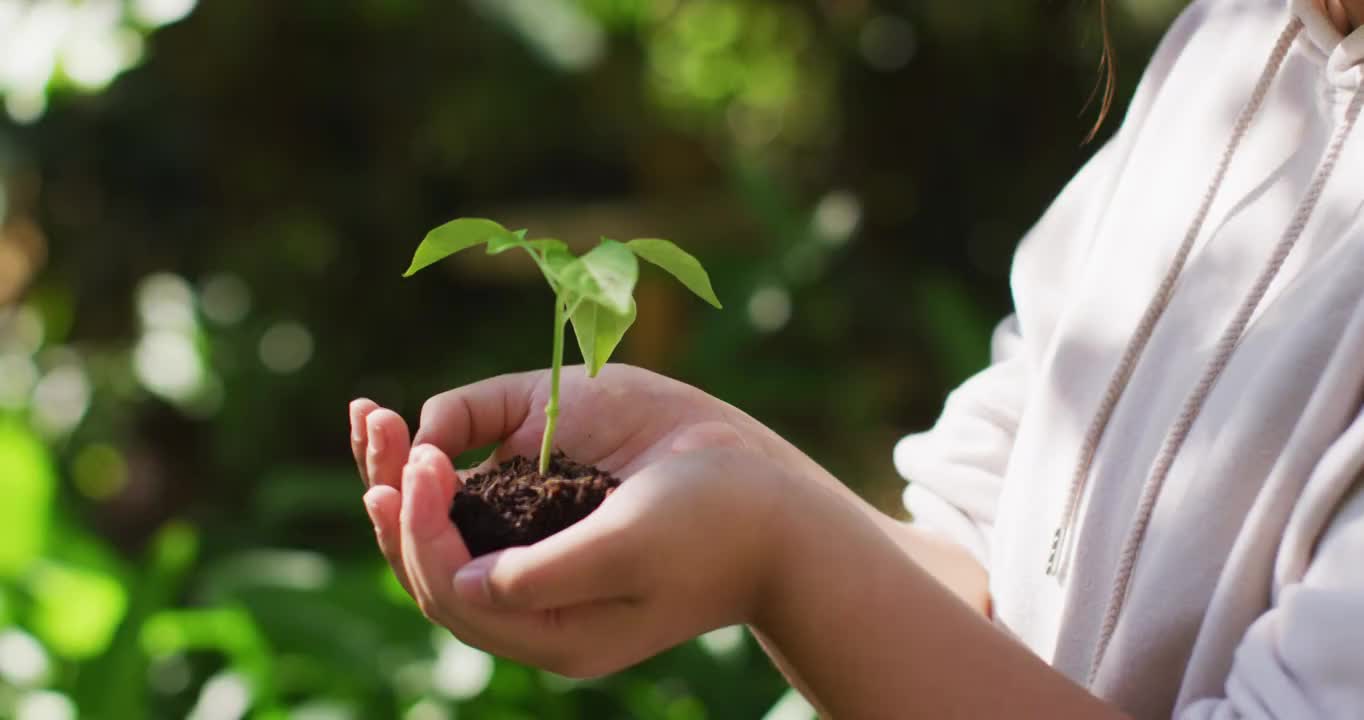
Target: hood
x: 1343, y: 56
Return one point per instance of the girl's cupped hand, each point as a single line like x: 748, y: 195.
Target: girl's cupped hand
x: 687, y: 544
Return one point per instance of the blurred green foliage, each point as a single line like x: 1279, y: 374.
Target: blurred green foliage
x: 200, y: 260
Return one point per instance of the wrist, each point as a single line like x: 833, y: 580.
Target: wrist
x: 809, y: 524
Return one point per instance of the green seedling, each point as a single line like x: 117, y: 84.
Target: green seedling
x: 594, y: 292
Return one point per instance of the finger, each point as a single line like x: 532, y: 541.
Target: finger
x: 359, y: 437
x: 477, y: 415
x: 384, y: 505
x: 388, y: 448
x: 588, y: 562
x: 432, y: 548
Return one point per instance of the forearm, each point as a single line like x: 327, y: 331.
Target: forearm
x: 946, y: 561
x: 870, y: 634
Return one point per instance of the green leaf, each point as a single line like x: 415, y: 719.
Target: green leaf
x: 502, y: 243
x: 599, y: 332
x: 453, y: 237
x: 27, y: 484
x: 679, y: 263
x: 518, y: 239
x: 557, y: 257
x: 548, y: 244
x: 605, y: 275
x: 550, y: 254
x: 76, y: 610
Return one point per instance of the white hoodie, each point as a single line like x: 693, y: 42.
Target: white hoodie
x: 1176, y: 404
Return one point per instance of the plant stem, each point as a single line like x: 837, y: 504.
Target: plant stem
x: 552, y: 407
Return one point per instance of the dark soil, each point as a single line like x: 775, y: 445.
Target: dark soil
x: 516, y: 505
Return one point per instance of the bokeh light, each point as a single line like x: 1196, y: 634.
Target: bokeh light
x: 725, y: 641
x: 23, y: 662
x: 226, y: 696
x: 168, y: 364
x: 166, y: 302
x: 156, y: 13
x: 18, y: 375
x: 837, y: 216
x: 428, y: 709
x: 557, y: 29
x: 83, y: 43
x: 286, y: 347
x: 61, y: 399
x: 769, y: 308
x: 100, y: 471
x: 460, y: 672
x: 45, y: 705
x: 225, y: 299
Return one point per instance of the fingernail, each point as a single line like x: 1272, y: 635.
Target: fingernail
x: 471, y: 582
x: 376, y: 439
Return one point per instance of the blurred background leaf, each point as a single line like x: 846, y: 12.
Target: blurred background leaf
x: 204, y: 211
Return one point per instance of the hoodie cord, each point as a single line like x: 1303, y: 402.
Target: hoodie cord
x: 1156, y: 308
x: 1226, y: 345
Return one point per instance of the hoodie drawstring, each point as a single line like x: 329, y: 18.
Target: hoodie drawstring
x: 1156, y: 308
x: 1226, y: 345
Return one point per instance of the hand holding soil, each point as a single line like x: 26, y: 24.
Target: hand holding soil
x: 681, y: 547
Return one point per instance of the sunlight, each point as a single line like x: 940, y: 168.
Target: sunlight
x: 725, y: 642
x: 461, y: 672
x: 792, y: 706
x: 226, y: 696
x: 168, y: 364
x: 165, y: 302
x: 156, y: 13
x: 85, y: 44
x: 94, y: 50
x: 60, y: 399
x: 23, y: 662
x: 45, y: 705
x: 557, y: 29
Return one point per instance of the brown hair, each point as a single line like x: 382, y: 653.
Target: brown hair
x: 1108, y: 75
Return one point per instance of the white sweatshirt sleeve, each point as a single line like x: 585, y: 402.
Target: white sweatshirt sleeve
x: 956, y: 468
x: 1305, y: 657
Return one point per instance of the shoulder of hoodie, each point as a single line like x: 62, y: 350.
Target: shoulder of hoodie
x: 1202, y: 20
x: 1201, y: 13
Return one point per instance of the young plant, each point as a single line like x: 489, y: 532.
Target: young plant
x: 594, y: 292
